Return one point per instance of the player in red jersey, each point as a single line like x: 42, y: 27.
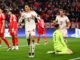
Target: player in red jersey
x: 13, y: 29
x: 41, y: 30
x: 2, y: 28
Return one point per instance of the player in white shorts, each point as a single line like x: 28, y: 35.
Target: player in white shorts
x: 63, y: 22
x: 29, y: 17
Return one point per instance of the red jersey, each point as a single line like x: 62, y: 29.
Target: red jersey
x: 13, y: 25
x: 41, y: 26
x: 2, y: 17
x: 13, y: 22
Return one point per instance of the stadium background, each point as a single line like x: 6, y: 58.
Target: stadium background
x: 47, y: 9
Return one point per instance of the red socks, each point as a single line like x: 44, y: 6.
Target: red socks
x: 0, y: 42
x: 6, y: 42
x: 15, y: 41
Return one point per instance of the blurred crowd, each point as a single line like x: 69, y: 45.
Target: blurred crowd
x: 47, y: 9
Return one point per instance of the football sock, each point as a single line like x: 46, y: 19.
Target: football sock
x: 28, y: 40
x: 16, y: 41
x: 0, y: 42
x: 13, y: 41
x: 6, y: 42
x: 38, y: 39
x: 45, y: 38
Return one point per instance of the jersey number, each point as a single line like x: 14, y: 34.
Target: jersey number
x: 28, y: 19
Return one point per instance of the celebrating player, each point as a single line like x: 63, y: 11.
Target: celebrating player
x: 41, y: 30
x: 13, y: 29
x: 29, y: 16
x: 2, y: 28
x: 64, y: 23
x: 59, y: 44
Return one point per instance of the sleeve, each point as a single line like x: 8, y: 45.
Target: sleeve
x: 42, y: 23
x: 67, y: 19
x: 3, y: 17
x: 56, y: 20
x: 14, y: 18
x: 11, y: 18
x: 36, y: 15
x: 21, y: 18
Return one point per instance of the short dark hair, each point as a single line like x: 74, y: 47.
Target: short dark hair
x: 2, y: 8
x: 26, y: 4
x: 13, y: 11
x: 61, y: 10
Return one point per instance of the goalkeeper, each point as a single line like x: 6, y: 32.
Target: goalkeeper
x: 59, y: 45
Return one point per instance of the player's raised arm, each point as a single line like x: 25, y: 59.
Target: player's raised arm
x: 55, y: 21
x: 21, y: 18
x: 68, y: 23
x: 35, y: 15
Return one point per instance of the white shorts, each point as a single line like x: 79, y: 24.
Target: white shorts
x: 64, y: 32
x: 30, y: 33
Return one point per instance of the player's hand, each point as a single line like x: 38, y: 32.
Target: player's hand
x: 68, y: 27
x: 54, y: 22
x: 15, y: 34
x: 33, y: 16
x: 12, y: 29
x: 33, y: 30
x: 19, y: 25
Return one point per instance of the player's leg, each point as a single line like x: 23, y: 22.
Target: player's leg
x: 28, y: 42
x: 67, y: 51
x: 16, y: 36
x: 28, y: 38
x: 32, y: 43
x: 45, y: 38
x: 16, y: 43
x: 0, y: 42
x: 61, y: 49
x: 16, y: 39
x: 5, y: 40
x: 32, y: 46
x: 13, y: 43
x: 38, y: 40
x: 65, y: 34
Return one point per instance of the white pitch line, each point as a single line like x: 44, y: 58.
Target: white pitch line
x: 78, y: 58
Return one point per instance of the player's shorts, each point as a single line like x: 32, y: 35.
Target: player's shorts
x: 60, y: 48
x: 12, y: 33
x: 41, y: 31
x: 30, y: 33
x: 64, y: 32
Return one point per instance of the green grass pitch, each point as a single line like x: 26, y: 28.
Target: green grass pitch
x: 41, y: 50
